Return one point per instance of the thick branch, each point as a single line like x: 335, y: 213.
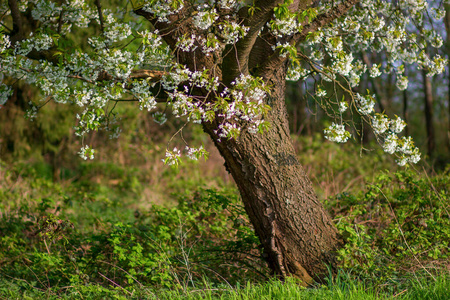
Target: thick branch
x: 236, y: 61
x: 275, y: 61
x: 17, y: 32
x: 145, y: 74
x: 100, y: 15
x: 324, y: 19
x: 180, y: 24
x: 171, y: 30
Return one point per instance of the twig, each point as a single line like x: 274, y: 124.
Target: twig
x: 435, y: 191
x: 9, y: 29
x: 105, y: 262
x: 116, y: 284
x: 46, y: 246
x: 403, y: 236
x: 100, y: 15
x: 402, y: 292
x: 60, y: 21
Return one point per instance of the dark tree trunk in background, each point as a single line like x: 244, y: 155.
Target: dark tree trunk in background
x: 428, y: 100
x: 298, y: 236
x: 376, y: 87
x: 447, y: 28
x: 303, y: 123
x: 297, y: 105
x: 405, y: 111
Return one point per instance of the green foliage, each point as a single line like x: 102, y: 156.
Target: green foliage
x: 96, y: 237
x: 400, y: 224
x: 82, y: 234
x: 335, y: 168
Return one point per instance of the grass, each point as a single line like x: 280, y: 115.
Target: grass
x: 274, y: 289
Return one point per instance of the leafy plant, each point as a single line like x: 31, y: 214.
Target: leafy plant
x: 400, y: 224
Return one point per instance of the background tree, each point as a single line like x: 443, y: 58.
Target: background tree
x: 447, y: 28
x: 224, y: 64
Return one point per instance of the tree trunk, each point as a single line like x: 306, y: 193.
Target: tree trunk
x: 296, y: 106
x: 428, y: 99
x: 447, y: 28
x: 298, y: 236
x: 405, y: 111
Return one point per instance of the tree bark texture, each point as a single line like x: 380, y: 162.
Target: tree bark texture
x: 298, y: 236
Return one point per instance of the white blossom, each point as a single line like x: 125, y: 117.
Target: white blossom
x: 321, y: 93
x: 5, y: 43
x: 195, y: 153
x: 337, y: 133
x: 397, y: 125
x: 282, y: 27
x: 343, y: 106
x: 402, y: 82
x: 365, y: 103
x: 438, y: 13
x: 227, y: 4
x: 5, y: 93
x: 205, y: 19
x: 162, y: 9
x: 343, y: 64
x: 86, y: 152
x: 374, y: 71
x: 390, y: 143
x: 173, y: 157
x: 380, y: 123
x: 187, y: 43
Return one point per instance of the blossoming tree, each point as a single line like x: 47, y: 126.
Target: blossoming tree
x: 223, y: 64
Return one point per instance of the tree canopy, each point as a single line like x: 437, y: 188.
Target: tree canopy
x: 207, y: 61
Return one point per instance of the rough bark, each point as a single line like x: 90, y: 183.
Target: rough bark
x: 298, y: 236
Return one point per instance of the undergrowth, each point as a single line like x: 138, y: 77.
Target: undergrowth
x: 89, y: 238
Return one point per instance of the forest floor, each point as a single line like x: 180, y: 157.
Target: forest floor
x: 124, y: 226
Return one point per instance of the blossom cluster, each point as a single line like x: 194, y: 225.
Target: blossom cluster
x: 141, y: 90
x: 173, y: 157
x: 205, y: 17
x: 5, y: 43
x: 337, y: 133
x: 247, y: 94
x: 384, y: 128
x: 402, y: 35
x: 388, y: 129
x: 103, y: 71
x: 86, y: 152
x: 365, y: 104
x: 231, y: 32
x: 283, y: 27
x: 162, y: 9
x: 5, y: 93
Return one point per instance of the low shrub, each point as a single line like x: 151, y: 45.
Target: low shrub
x: 63, y: 236
x: 399, y: 225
